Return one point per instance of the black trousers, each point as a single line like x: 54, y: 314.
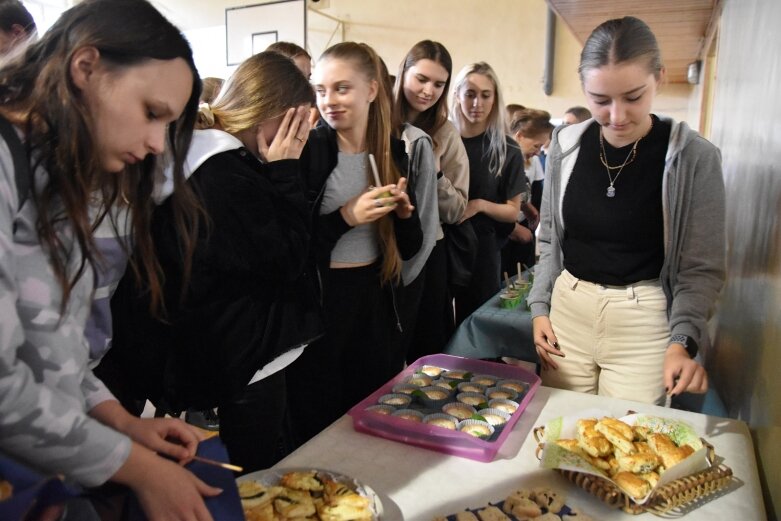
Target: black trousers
x: 485, y: 278
x: 252, y: 424
x: 433, y: 320
x: 360, y: 351
x: 514, y: 252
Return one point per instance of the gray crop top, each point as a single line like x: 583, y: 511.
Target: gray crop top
x: 348, y: 179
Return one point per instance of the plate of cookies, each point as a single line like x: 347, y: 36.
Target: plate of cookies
x: 525, y: 504
x: 638, y: 453
x: 314, y: 494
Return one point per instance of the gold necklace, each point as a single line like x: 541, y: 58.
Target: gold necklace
x: 611, y: 190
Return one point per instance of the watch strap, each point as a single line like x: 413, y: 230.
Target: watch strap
x: 688, y: 343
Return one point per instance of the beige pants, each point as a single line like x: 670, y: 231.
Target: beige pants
x: 614, y: 338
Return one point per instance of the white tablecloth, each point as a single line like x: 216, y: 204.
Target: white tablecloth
x: 418, y: 484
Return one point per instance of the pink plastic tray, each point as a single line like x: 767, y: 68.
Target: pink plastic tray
x: 438, y: 438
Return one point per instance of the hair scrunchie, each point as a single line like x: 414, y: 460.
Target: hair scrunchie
x: 205, y: 115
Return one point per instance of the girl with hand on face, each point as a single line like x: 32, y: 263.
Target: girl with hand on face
x: 226, y: 330
x: 632, y: 235
x: 362, y: 233
x: 496, y: 178
x: 423, y: 78
x: 531, y: 129
x: 94, y: 102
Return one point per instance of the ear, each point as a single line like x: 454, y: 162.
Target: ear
x: 83, y: 65
x: 373, y: 89
x: 661, y: 78
x: 17, y: 31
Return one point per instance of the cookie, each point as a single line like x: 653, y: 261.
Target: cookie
x: 521, y: 507
x: 492, y: 513
x: 549, y: 499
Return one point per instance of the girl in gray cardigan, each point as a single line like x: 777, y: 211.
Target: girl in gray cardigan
x: 632, y: 235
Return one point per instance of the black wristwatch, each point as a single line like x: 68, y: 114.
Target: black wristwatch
x: 687, y: 342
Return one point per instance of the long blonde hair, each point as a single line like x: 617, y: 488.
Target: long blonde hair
x: 264, y: 86
x: 378, y: 141
x: 497, y: 126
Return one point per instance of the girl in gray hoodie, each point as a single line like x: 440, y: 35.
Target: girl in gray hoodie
x: 632, y: 234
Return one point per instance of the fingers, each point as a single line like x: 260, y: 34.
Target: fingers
x: 314, y: 117
x: 688, y: 376
x: 174, y: 450
x: 204, y: 489
x: 287, y: 122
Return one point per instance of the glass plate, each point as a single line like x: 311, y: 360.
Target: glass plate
x: 271, y: 477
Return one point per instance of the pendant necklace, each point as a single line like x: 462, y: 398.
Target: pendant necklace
x: 630, y: 157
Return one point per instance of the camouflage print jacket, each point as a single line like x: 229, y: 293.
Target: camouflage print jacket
x: 46, y: 386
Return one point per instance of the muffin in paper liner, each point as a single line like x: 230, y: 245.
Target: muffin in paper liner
x: 404, y: 388
x: 418, y: 380
x: 457, y: 374
x: 397, y: 400
x: 477, y: 428
x: 433, y: 397
x: 387, y: 410
x: 442, y: 420
x: 461, y: 411
x: 431, y: 370
x: 471, y: 387
x: 473, y: 399
x: 501, y: 393
x: 555, y: 457
x: 484, y: 379
x: 518, y: 386
x: 445, y: 383
x: 505, y: 405
x: 496, y: 417
x: 409, y: 414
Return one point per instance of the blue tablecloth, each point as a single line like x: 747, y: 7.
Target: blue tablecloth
x: 492, y: 332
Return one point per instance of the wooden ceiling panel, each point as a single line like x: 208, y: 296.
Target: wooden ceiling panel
x: 680, y: 26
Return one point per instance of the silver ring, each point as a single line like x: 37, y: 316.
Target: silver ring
x: 378, y: 203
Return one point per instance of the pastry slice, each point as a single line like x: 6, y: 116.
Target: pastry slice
x: 638, y: 463
x: 302, y: 481
x: 616, y: 437
x: 633, y: 485
x: 294, y: 503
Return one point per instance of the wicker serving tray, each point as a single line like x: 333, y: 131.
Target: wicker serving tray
x: 684, y: 492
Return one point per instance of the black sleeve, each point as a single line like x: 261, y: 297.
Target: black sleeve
x: 259, y: 217
x: 409, y: 235
x: 328, y: 229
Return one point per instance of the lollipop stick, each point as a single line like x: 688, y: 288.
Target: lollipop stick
x: 375, y: 173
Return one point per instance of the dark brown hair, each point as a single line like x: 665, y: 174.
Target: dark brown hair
x: 432, y: 119
x: 531, y: 122
x: 38, y: 94
x: 13, y: 12
x: 378, y: 139
x: 621, y: 40
x: 580, y: 113
x: 211, y: 88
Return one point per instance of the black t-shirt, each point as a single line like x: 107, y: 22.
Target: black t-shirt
x: 484, y: 184
x: 616, y: 240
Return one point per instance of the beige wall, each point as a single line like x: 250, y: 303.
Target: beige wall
x: 510, y: 35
